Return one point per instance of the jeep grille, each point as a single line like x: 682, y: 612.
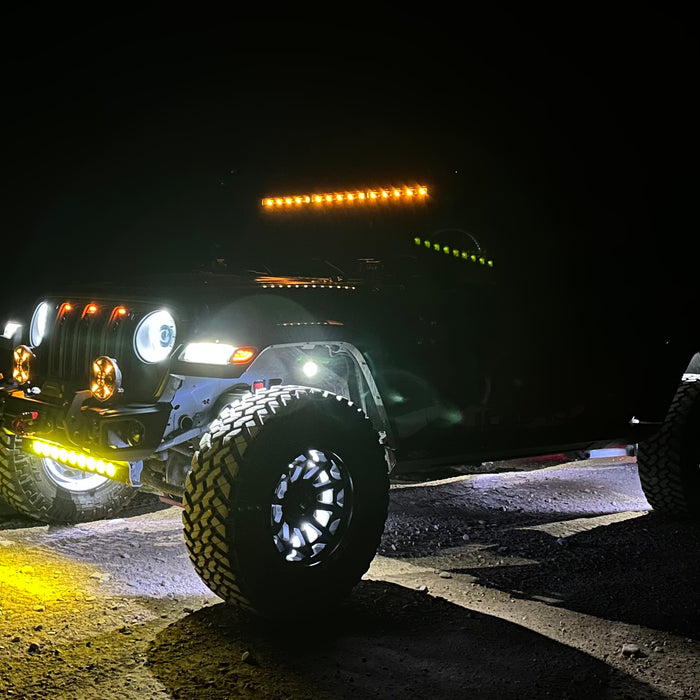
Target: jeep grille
x: 81, y: 330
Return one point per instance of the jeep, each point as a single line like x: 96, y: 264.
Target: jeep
x: 274, y: 403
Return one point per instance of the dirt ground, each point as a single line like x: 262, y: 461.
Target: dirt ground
x: 556, y: 583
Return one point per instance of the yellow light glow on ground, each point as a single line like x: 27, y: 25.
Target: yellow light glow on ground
x: 27, y: 580
x: 30, y: 578
x: 35, y: 582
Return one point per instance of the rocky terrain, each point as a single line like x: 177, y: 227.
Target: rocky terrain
x: 549, y: 583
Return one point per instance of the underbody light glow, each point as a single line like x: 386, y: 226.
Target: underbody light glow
x: 349, y: 197
x: 75, y: 458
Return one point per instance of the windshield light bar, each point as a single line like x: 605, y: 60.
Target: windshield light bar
x: 401, y: 194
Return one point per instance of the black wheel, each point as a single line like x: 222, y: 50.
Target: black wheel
x: 669, y: 461
x: 286, y: 501
x: 54, y: 493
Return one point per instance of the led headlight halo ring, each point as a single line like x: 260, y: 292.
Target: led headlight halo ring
x: 37, y: 327
x: 155, y: 335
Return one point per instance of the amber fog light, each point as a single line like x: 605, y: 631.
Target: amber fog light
x: 22, y: 361
x: 106, y: 378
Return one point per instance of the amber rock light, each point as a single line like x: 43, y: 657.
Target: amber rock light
x: 106, y: 378
x: 22, y: 360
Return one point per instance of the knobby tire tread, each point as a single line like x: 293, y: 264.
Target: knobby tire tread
x: 210, y: 493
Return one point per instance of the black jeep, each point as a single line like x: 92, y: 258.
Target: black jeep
x: 274, y: 402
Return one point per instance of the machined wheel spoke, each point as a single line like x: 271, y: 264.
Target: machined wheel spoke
x: 307, y: 509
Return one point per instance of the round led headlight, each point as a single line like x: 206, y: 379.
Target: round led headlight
x: 155, y: 336
x: 37, y: 328
x: 21, y: 364
x: 106, y: 378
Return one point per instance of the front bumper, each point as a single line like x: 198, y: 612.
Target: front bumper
x: 126, y: 433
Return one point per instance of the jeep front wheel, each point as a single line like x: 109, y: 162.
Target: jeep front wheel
x: 46, y: 490
x: 669, y: 461
x: 286, y: 501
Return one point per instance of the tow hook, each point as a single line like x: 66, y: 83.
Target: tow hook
x: 22, y: 424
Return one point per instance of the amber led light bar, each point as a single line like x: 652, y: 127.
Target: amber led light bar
x: 401, y: 194
x: 301, y: 283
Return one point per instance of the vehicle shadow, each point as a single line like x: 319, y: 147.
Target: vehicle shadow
x: 386, y: 642
x: 642, y: 571
x: 617, y: 560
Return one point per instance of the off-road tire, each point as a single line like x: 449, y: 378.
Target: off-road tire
x: 27, y: 487
x: 669, y: 461
x: 232, y: 499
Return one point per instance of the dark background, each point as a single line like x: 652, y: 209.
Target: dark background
x: 145, y: 143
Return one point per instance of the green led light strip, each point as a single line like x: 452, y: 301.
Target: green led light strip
x: 454, y: 252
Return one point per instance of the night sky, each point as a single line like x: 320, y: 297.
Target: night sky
x: 133, y: 144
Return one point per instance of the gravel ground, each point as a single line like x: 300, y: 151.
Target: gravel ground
x: 550, y: 583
